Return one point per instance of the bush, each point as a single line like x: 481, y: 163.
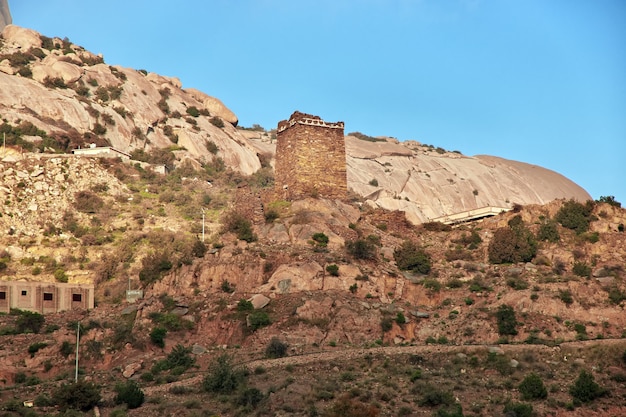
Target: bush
x: 581, y: 269
x: 28, y: 321
x: 610, y: 200
x: 512, y: 409
x: 276, y: 348
x: 410, y: 257
x: 532, y: 388
x: 193, y: 111
x: 180, y: 358
x: 249, y: 397
x: 154, y: 266
x: 157, y: 336
x: 244, y: 305
x: 258, y: 319
x: 400, y: 319
x: 386, y: 324
x: 217, y: 122
x: 129, y: 393
x: 575, y: 216
x: 236, y: 223
x: 35, y: 347
x: 222, y: 377
x: 79, y: 395
x: 333, y: 270
x: 585, y: 389
x: 66, y: 348
x: 87, y: 202
x: 320, y: 238
x: 361, y: 249
x: 511, y: 245
x: 507, y: 323
x: 548, y: 231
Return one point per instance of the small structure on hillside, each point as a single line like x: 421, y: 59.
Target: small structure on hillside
x: 45, y: 297
x: 310, y: 158
x: 101, y: 152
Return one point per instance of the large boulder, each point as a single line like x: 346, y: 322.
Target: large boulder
x: 21, y: 38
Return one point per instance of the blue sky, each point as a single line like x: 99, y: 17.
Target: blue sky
x: 538, y: 81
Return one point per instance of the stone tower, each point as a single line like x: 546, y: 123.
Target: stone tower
x: 310, y: 158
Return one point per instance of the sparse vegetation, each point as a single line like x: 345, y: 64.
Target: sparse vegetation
x: 410, y: 257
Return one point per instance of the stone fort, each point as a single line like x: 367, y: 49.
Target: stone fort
x: 310, y: 158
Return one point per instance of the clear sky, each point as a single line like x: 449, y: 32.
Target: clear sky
x: 538, y: 81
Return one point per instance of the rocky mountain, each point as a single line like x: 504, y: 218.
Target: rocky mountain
x: 67, y: 94
x: 256, y: 306
x: 5, y: 14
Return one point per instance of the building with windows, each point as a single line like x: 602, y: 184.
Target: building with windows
x: 45, y: 297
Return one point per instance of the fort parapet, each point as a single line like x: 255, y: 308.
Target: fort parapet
x: 310, y: 158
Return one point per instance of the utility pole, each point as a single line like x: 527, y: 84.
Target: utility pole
x: 202, y: 225
x: 77, y: 343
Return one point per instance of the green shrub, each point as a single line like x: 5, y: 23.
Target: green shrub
x: 410, y: 257
x: 244, y: 305
x: 180, y: 358
x: 548, y: 231
x: 249, y: 398
x: 217, y: 122
x: 154, y: 266
x: 28, y: 321
x: 386, y: 324
x: 35, y: 347
x: 87, y: 202
x: 513, y: 409
x: 236, y: 223
x: 566, y: 296
x: 276, y: 348
x: 575, y: 216
x: 610, y: 200
x: 81, y: 395
x: 400, y: 319
x: 361, y: 249
x: 333, y: 270
x: 193, y: 111
x: 433, y: 396
x: 581, y: 269
x: 66, y: 348
x: 222, y: 377
x: 258, y: 319
x: 129, y: 393
x: 511, y: 245
x: 532, y: 388
x: 507, y: 323
x: 157, y: 336
x: 585, y: 389
x: 373, y: 182
x: 320, y: 238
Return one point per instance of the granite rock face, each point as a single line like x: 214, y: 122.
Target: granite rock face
x: 5, y: 14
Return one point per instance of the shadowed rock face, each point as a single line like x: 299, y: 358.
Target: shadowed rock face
x: 5, y: 14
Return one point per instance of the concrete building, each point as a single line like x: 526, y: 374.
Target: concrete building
x: 45, y: 297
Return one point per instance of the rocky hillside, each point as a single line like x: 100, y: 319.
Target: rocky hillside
x: 258, y: 306
x: 55, y: 96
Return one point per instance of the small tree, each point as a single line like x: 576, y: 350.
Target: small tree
x: 157, y: 336
x: 333, y: 270
x: 28, y: 321
x: 129, y: 393
x: 361, y: 249
x: 507, y: 323
x: 276, y: 348
x: 410, y: 257
x: 222, y: 377
x: 585, y: 389
x: 532, y: 388
x: 79, y: 395
x: 576, y: 216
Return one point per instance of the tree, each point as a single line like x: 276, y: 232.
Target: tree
x: 576, y: 216
x: 361, y: 249
x: 276, y: 348
x: 512, y: 244
x: 79, y: 395
x: 157, y: 336
x: 585, y: 389
x: 222, y: 377
x: 410, y: 257
x: 507, y: 323
x: 129, y: 393
x: 532, y: 388
x: 28, y: 322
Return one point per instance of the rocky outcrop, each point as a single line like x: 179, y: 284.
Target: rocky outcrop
x: 5, y: 14
x: 67, y: 91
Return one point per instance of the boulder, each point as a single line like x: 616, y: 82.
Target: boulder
x: 259, y: 301
x: 21, y: 38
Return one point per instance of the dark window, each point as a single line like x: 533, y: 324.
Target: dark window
x: 47, y: 296
x: 24, y: 292
x: 3, y: 295
x: 77, y: 297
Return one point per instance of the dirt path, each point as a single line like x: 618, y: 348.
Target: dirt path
x: 356, y: 353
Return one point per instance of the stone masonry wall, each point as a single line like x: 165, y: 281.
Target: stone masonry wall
x: 310, y: 158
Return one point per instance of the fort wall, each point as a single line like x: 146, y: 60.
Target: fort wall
x: 310, y: 158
